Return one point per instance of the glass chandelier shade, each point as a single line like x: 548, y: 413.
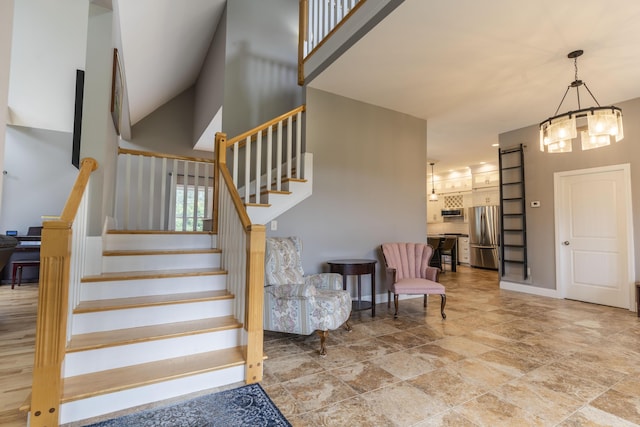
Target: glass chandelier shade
x: 602, y: 123
x: 433, y: 197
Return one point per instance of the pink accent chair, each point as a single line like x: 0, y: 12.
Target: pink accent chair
x: 409, y: 273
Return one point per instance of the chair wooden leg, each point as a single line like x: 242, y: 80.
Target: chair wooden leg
x: 388, y: 299
x: 347, y: 326
x: 442, y: 304
x: 395, y: 303
x: 323, y: 339
x: 425, y: 301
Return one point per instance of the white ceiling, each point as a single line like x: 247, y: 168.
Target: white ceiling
x: 474, y: 69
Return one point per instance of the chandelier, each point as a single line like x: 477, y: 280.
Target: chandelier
x: 433, y: 197
x: 602, y: 123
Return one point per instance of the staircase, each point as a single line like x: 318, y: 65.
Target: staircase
x: 156, y: 324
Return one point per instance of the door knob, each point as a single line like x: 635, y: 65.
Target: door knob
x: 566, y: 243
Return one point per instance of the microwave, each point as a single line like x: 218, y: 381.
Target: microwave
x: 451, y: 212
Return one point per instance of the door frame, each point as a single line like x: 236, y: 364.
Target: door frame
x: 557, y: 181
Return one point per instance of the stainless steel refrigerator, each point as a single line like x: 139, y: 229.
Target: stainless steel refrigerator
x: 484, y: 236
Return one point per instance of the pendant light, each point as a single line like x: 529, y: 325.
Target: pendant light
x: 602, y: 123
x: 433, y: 197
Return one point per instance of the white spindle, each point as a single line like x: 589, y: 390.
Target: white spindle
x: 332, y: 16
x: 279, y: 158
x: 298, y: 144
x: 247, y: 169
x: 196, y: 193
x: 289, y: 145
x: 323, y: 17
x: 269, y: 156
x: 127, y: 195
x: 236, y: 149
x: 163, y: 189
x: 172, y: 195
x: 185, y: 188
x: 258, y: 165
x: 207, y: 207
x: 316, y: 29
x: 139, y: 195
x: 152, y: 181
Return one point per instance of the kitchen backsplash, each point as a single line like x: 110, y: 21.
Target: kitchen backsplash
x: 448, y: 227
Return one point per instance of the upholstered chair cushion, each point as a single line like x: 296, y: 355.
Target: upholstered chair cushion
x: 282, y: 262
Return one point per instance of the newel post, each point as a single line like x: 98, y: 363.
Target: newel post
x: 51, y: 327
x: 256, y: 243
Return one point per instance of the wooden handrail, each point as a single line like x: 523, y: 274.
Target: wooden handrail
x: 302, y: 36
x: 221, y: 164
x: 53, y: 301
x: 301, y: 57
x: 272, y: 122
x: 163, y: 155
x: 73, y: 202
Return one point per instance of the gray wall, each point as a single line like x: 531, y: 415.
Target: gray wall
x: 261, y: 63
x: 39, y: 179
x: 169, y: 129
x: 209, y: 88
x: 369, y: 183
x: 99, y: 139
x: 539, y: 170
x: 6, y: 28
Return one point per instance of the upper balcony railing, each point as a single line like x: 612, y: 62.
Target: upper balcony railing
x: 319, y: 19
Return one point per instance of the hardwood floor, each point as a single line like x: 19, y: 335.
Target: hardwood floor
x: 18, y: 309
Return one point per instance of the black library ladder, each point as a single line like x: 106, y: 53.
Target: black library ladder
x: 513, y: 227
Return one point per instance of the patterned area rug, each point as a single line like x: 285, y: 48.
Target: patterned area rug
x: 245, y: 406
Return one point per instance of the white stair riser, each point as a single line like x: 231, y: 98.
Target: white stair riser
x: 85, y: 362
x: 105, y: 404
x: 113, y: 264
x: 144, y: 287
x: 114, y: 242
x: 145, y: 316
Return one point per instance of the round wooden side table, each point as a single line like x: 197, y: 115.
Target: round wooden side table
x: 357, y: 267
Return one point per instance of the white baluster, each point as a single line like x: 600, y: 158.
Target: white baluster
x: 235, y: 164
x: 185, y: 188
x: 298, y: 144
x: 269, y: 156
x: 332, y: 15
x: 289, y: 145
x: 139, y: 193
x: 152, y: 181
x: 207, y: 208
x: 172, y: 195
x: 127, y: 195
x: 247, y: 169
x: 163, y: 191
x: 279, y: 158
x: 258, y: 166
x: 196, y: 183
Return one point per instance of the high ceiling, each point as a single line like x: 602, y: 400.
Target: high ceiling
x: 474, y: 69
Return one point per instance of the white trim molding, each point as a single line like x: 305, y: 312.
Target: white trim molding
x: 528, y: 289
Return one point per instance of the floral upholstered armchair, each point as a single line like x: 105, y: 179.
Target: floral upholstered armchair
x: 299, y: 304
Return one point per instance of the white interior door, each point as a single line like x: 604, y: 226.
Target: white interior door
x: 594, y: 243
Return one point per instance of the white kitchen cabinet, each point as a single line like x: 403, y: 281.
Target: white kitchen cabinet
x: 451, y: 185
x: 434, y: 210
x: 463, y: 250
x: 486, y: 179
x: 487, y: 197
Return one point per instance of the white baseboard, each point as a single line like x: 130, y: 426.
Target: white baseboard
x: 527, y: 289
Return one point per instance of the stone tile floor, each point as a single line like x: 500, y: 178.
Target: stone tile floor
x: 501, y: 358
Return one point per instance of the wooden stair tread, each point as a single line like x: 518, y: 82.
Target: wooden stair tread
x: 95, y: 340
x: 160, y: 252
x: 157, y: 232
x: 152, y: 274
x: 259, y: 205
x: 113, y: 380
x: 146, y: 301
